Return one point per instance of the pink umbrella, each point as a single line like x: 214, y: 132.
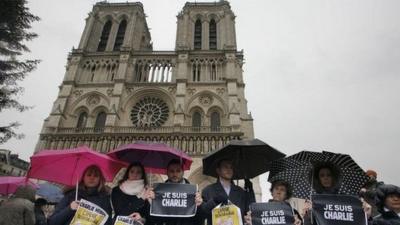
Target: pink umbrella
x: 8, y: 185
x: 67, y: 166
x: 153, y: 156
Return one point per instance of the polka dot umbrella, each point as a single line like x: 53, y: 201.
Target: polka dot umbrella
x: 298, y: 170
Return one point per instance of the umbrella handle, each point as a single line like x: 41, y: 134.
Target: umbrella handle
x: 76, y: 190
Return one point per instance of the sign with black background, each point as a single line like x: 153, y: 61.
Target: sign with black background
x: 271, y: 213
x: 174, y: 200
x: 338, y: 210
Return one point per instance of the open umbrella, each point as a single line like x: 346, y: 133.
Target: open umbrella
x: 52, y: 193
x: 153, y: 156
x: 67, y: 166
x: 297, y: 170
x: 250, y: 158
x: 9, y: 184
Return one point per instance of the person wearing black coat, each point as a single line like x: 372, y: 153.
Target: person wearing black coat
x: 175, y: 175
x: 223, y: 190
x: 92, y: 189
x: 129, y: 197
x: 388, y: 204
x: 326, y: 180
x: 39, y: 213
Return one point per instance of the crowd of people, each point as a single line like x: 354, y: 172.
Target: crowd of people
x: 133, y: 195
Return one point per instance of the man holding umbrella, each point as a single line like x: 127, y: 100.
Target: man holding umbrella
x: 224, y: 189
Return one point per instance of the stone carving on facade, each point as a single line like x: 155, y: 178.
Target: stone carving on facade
x: 130, y: 90
x: 110, y: 92
x: 93, y: 100
x: 191, y: 91
x: 172, y: 90
x: 220, y: 91
x: 206, y: 100
x: 78, y: 93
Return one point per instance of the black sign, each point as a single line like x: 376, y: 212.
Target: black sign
x: 338, y: 210
x: 271, y: 213
x: 174, y: 200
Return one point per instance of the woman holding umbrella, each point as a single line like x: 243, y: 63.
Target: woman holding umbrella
x: 325, y: 180
x: 129, y: 197
x: 91, y: 188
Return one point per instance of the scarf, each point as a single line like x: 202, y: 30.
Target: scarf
x: 133, y: 187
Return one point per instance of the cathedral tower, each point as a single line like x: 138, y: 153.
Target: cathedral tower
x: 117, y: 90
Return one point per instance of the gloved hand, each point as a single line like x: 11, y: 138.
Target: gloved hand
x: 248, y: 186
x: 220, y: 199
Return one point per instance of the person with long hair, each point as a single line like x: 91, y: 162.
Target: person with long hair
x: 129, y: 198
x: 91, y: 188
x: 326, y: 180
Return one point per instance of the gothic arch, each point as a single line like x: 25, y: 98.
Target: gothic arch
x: 79, y: 102
x: 196, y: 17
x: 97, y: 110
x: 108, y: 17
x: 223, y: 106
x: 194, y: 109
x: 215, y: 109
x: 214, y: 16
x: 121, y: 17
x: 80, y: 110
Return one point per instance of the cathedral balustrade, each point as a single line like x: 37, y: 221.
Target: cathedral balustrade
x: 193, y: 144
x: 137, y: 130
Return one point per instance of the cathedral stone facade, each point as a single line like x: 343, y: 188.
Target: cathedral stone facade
x: 117, y: 90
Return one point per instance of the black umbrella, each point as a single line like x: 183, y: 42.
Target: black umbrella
x: 250, y: 158
x: 297, y: 170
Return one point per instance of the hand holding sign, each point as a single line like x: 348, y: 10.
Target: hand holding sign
x: 174, y: 200
x: 271, y: 213
x: 338, y: 210
x: 198, y: 199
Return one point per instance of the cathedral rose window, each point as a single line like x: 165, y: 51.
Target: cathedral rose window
x: 149, y: 112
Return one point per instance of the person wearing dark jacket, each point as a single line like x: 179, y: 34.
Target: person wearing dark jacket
x: 175, y: 175
x: 281, y: 192
x: 388, y: 204
x: 39, y: 213
x: 91, y: 188
x: 129, y: 197
x: 368, y: 192
x: 20, y: 208
x: 326, y: 180
x: 223, y: 190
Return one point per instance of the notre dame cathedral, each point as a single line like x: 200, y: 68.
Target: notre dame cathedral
x: 117, y: 90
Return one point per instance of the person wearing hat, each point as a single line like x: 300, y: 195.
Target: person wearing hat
x: 388, y: 204
x: 41, y: 219
x: 20, y: 208
x: 368, y: 192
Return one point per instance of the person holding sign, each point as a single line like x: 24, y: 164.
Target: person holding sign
x: 223, y: 190
x: 281, y: 192
x: 325, y: 180
x: 175, y: 176
x: 388, y: 204
x: 129, y: 197
x: 91, y: 188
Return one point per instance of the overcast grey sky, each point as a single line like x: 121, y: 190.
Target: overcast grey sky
x: 320, y: 74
